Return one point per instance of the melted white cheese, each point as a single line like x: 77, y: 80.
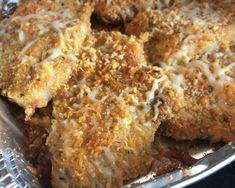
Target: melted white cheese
x: 54, y: 53
x: 28, y: 45
x: 151, y: 94
x: 92, y: 95
x: 21, y: 35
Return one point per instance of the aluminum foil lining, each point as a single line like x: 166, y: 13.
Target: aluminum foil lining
x: 7, y: 7
x: 15, y: 170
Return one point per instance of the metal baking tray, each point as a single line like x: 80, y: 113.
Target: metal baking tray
x: 15, y: 170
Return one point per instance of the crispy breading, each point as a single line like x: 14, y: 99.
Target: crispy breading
x: 194, y: 44
x: 38, y: 44
x: 116, y: 11
x: 119, y: 11
x: 105, y: 118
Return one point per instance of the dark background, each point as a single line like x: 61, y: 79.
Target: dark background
x: 224, y: 178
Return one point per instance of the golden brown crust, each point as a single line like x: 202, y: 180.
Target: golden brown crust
x: 194, y: 45
x: 38, y: 44
x: 107, y: 115
x: 122, y: 11
x: 119, y: 11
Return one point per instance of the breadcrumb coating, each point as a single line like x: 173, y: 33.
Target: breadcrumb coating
x: 119, y: 11
x: 194, y: 44
x: 37, y: 50
x: 106, y: 117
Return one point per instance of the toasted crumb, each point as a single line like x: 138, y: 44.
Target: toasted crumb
x: 194, y: 45
x: 37, y: 50
x: 105, y: 118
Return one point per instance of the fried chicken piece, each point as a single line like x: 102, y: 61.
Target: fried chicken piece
x: 37, y: 50
x: 194, y: 44
x: 119, y: 11
x: 106, y: 116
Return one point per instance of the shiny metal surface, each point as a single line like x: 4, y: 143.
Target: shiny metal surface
x: 14, y: 169
x: 11, y: 136
x: 8, y: 6
x: 183, y: 177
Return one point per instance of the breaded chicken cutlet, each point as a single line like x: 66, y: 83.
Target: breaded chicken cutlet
x: 106, y: 116
x: 119, y: 11
x: 38, y: 44
x: 194, y: 44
